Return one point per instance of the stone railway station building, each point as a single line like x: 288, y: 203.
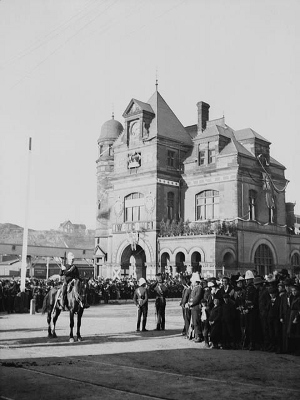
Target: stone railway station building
x: 204, y: 197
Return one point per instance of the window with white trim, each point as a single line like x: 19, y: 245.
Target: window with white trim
x: 207, y: 205
x: 134, y: 207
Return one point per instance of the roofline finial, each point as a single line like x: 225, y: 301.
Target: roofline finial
x: 156, y: 82
x: 113, y: 113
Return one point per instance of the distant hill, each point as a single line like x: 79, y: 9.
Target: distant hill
x: 10, y: 233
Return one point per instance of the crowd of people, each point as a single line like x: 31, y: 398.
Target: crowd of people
x: 99, y: 290
x: 237, y: 312
x: 243, y: 312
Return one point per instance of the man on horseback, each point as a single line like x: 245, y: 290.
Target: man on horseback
x: 68, y: 272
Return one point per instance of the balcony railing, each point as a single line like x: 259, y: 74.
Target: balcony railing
x: 187, y: 228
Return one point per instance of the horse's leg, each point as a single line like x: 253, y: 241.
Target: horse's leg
x: 79, y: 316
x: 49, y: 316
x: 56, y: 315
x: 71, y: 326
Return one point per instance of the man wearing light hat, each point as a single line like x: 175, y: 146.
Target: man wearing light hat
x: 69, y: 272
x: 194, y: 304
x: 251, y: 309
x: 140, y: 299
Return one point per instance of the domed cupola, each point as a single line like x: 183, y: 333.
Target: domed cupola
x: 110, y: 130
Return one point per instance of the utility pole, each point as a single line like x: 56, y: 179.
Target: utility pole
x: 25, y: 232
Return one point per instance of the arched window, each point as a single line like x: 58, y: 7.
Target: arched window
x: 165, y: 259
x: 134, y: 207
x: 195, y: 261
x: 170, y: 205
x: 263, y: 260
x: 295, y: 261
x: 207, y: 205
x: 252, y: 205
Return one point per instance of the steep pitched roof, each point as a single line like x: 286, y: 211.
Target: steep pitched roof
x: 248, y: 133
x: 165, y: 123
x: 273, y: 161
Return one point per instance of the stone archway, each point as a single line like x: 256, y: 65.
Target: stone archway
x: 133, y: 262
x: 195, y: 261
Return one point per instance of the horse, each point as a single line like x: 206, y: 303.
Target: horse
x: 76, y: 296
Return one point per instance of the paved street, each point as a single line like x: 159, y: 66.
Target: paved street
x: 115, y: 362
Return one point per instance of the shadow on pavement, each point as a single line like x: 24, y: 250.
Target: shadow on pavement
x: 88, y: 340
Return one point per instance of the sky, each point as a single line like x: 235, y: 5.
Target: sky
x: 66, y: 65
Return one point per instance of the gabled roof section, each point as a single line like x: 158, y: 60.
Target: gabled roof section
x: 248, y: 133
x: 137, y: 106
x: 234, y: 147
x: 165, y: 123
x: 216, y: 128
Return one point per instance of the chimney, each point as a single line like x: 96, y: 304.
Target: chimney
x: 203, y: 115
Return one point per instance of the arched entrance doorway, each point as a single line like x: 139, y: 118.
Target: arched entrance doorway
x: 179, y: 261
x: 133, y: 262
x: 195, y: 261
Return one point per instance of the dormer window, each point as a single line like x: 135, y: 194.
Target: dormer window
x: 207, y: 153
x: 201, y: 159
x: 211, y: 153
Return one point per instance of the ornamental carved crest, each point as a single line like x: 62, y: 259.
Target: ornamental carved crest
x: 118, y: 208
x: 149, y: 203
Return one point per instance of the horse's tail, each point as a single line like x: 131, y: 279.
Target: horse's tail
x: 49, y: 300
x: 45, y: 303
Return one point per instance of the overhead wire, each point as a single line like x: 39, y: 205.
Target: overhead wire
x: 63, y: 44
x: 104, y: 29
x: 52, y: 34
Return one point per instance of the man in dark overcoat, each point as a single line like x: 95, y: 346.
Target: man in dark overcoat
x: 194, y: 304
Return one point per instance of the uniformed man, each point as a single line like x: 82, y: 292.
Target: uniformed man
x: 140, y: 299
x: 68, y: 272
x: 160, y: 302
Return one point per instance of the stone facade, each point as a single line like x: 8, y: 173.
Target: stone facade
x: 204, y: 197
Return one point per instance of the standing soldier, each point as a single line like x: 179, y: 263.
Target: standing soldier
x: 140, y: 299
x: 160, y: 302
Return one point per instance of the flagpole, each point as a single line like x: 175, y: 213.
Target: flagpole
x: 25, y: 232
